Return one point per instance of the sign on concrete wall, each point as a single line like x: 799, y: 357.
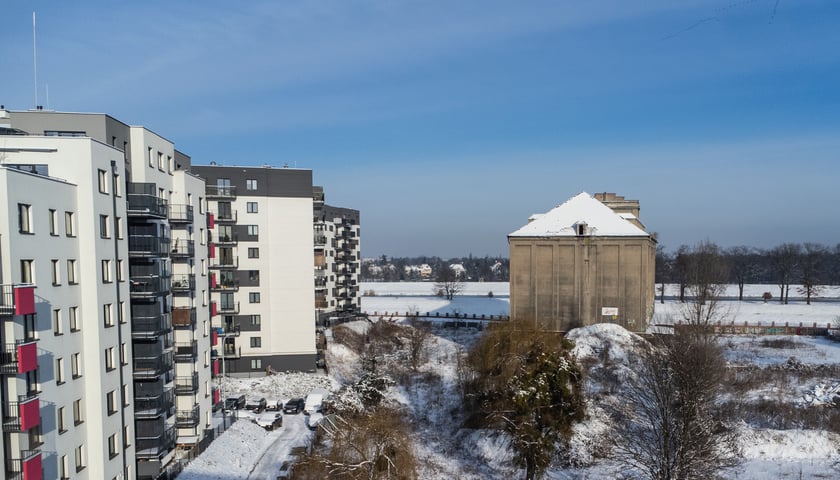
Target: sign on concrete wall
x: 609, y: 311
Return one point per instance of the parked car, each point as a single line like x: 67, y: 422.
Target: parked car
x: 294, y: 405
x: 274, y: 405
x: 255, y: 404
x: 235, y: 403
x: 285, y: 471
x: 270, y: 421
x: 313, y: 420
x: 313, y: 403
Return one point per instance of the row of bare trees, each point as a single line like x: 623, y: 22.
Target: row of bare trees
x: 804, y: 267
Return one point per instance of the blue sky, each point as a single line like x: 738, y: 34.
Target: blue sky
x: 448, y: 123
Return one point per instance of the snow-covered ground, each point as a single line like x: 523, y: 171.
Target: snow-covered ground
x: 446, y: 450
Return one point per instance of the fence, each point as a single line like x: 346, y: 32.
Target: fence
x: 185, y: 455
x: 746, y: 328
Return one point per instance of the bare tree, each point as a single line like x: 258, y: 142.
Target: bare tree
x: 785, y: 260
x: 668, y: 424
x: 705, y: 276
x: 814, y: 256
x: 447, y: 282
x: 680, y: 266
x: 417, y: 334
x: 741, y: 266
x: 664, y: 265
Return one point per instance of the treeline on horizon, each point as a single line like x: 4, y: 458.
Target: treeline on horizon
x: 476, y: 269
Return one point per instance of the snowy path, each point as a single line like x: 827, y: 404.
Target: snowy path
x: 293, y: 433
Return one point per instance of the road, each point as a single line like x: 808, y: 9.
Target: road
x: 294, y: 433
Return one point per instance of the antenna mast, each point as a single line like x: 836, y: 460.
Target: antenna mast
x: 35, y: 59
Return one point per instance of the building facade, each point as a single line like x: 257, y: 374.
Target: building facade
x: 337, y: 239
x: 586, y: 261
x: 261, y: 267
x: 155, y: 229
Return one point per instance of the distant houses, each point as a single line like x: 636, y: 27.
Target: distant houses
x: 586, y: 261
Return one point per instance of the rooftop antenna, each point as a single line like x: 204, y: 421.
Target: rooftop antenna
x: 35, y: 58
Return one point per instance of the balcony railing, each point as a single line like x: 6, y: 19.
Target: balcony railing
x: 154, y: 406
x: 216, y: 192
x: 152, y: 367
x: 180, y: 213
x: 144, y: 202
x: 148, y: 246
x: 320, y: 240
x: 230, y: 239
x: 231, y: 351
x: 183, y: 282
x: 228, y: 308
x: 27, y: 467
x: 186, y: 385
x: 150, y: 326
x: 186, y: 352
x: 19, y: 357
x: 226, y: 217
x: 22, y: 415
x: 149, y: 286
x: 182, y: 248
x: 231, y: 330
x: 156, y: 444
x: 17, y: 299
x: 225, y: 261
x: 187, y: 418
x: 226, y: 285
x: 183, y: 317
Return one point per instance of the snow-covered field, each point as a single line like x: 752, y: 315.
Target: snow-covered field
x: 446, y: 450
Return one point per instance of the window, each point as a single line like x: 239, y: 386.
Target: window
x: 123, y: 354
x: 26, y: 271
x: 103, y: 181
x: 202, y: 238
x: 106, y: 271
x: 256, y: 364
x: 77, y: 412
x: 126, y: 438
x: 203, y: 267
x: 252, y: 207
x: 253, y: 252
x: 125, y: 397
x: 254, y: 276
x: 56, y: 272
x: 59, y: 371
x: 107, y: 318
x: 201, y: 205
x: 117, y: 191
x: 80, y: 458
x: 119, y: 228
x: 109, y: 359
x: 253, y: 230
x: 120, y: 271
x: 53, y: 222
x: 151, y: 158
x: 206, y: 358
x: 71, y: 272
x: 160, y: 161
x: 64, y: 467
x: 254, y: 297
x: 255, y: 320
x: 121, y: 317
x: 59, y: 420
x: 104, y: 229
x: 58, y: 329
x: 24, y: 218
x: 75, y: 366
x: 69, y: 224
x: 113, y: 450
x: 256, y: 342
x: 169, y: 163
x: 111, y: 401
x: 251, y: 184
x: 74, y: 318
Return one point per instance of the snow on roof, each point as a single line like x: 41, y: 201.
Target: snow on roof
x: 561, y: 221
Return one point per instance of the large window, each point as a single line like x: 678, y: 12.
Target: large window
x: 253, y: 252
x: 256, y: 342
x: 254, y: 297
x: 24, y: 218
x: 252, y: 207
x: 26, y: 271
x: 253, y: 230
x: 251, y: 184
x: 103, y: 181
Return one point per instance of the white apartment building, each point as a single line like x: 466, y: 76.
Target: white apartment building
x: 337, y: 237
x: 161, y: 269
x: 261, y: 276
x: 70, y: 413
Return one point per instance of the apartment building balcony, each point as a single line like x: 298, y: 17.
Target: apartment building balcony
x: 17, y: 299
x: 223, y: 261
x: 148, y: 246
x: 230, y: 350
x: 145, y: 326
x: 156, y: 286
x: 19, y: 357
x: 180, y: 214
x: 226, y: 217
x: 188, y: 418
x: 22, y: 415
x: 144, y: 202
x: 184, y: 282
x: 231, y: 330
x: 320, y: 282
x: 321, y: 301
x: 154, y: 405
x: 183, y: 317
x: 182, y: 249
x: 320, y: 240
x: 26, y: 467
x: 186, y: 352
x: 228, y: 308
x: 228, y: 239
x: 215, y: 192
x: 152, y: 367
x: 225, y: 285
x: 155, y: 440
x: 186, y: 385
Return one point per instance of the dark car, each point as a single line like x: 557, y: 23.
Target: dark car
x: 294, y: 405
x: 235, y: 403
x: 256, y: 404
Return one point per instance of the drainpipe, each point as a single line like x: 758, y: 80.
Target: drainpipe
x: 120, y: 312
